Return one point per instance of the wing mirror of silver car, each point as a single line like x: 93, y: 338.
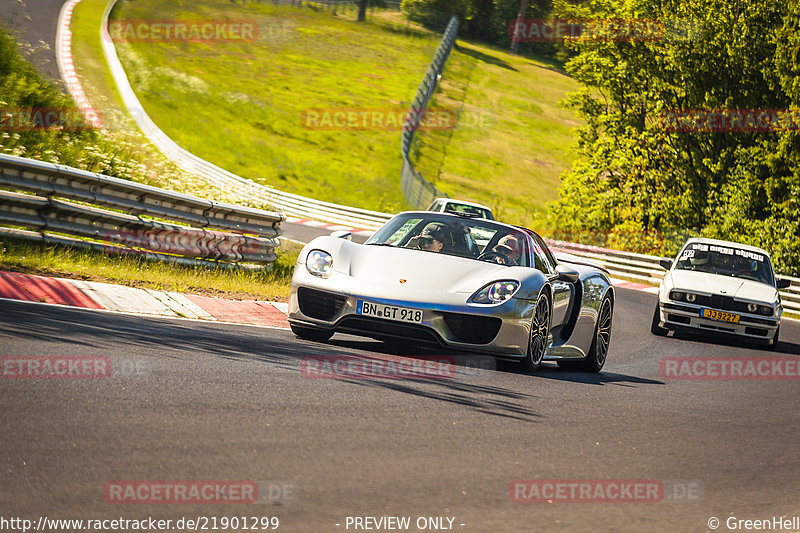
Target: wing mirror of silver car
x: 567, y: 274
x: 782, y: 283
x: 666, y: 264
x: 346, y: 235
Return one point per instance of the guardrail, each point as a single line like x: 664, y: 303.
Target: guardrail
x: 646, y: 268
x: 249, y: 235
x: 418, y: 191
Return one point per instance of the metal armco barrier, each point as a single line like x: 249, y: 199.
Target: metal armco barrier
x: 130, y: 229
x: 645, y: 268
x: 418, y: 191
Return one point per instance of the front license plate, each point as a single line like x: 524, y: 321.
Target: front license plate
x: 390, y: 312
x: 720, y: 315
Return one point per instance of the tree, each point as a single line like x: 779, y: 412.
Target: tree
x: 635, y: 176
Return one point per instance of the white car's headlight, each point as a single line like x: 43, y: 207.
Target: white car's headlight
x: 765, y: 310
x: 319, y: 263
x: 496, y: 292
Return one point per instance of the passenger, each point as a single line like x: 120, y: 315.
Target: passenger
x: 431, y: 239
x: 509, y: 248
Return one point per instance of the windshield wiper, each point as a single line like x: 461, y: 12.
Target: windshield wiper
x: 380, y: 244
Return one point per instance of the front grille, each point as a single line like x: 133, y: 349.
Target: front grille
x: 719, y: 301
x: 319, y: 304
x: 472, y: 329
x: 384, y: 328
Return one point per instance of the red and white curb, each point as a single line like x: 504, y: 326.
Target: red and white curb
x: 130, y: 300
x: 121, y: 299
x: 633, y: 286
x: 67, y: 68
x: 329, y: 227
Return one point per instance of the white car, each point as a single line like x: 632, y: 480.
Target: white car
x: 460, y: 207
x: 720, y: 286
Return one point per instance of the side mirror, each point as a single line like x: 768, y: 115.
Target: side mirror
x: 783, y: 283
x: 346, y: 235
x: 567, y: 274
x: 666, y: 264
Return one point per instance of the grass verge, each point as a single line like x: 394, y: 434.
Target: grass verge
x: 241, y: 105
x: 132, y: 271
x: 515, y: 141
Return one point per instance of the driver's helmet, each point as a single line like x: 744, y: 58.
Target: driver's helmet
x: 434, y: 230
x: 508, y: 245
x: 699, y: 258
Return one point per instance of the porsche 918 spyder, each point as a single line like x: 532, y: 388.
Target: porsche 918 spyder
x: 464, y: 283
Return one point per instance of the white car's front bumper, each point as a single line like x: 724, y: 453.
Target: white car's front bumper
x: 674, y: 315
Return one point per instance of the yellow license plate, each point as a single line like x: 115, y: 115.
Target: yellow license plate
x: 720, y: 315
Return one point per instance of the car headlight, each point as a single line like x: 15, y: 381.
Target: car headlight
x: 319, y: 263
x: 752, y: 308
x: 496, y: 292
x: 676, y: 295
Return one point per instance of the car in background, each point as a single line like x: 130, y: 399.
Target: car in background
x: 460, y: 207
x: 723, y: 287
x: 459, y: 282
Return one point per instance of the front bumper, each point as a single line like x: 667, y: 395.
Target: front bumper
x: 454, y: 323
x: 683, y: 315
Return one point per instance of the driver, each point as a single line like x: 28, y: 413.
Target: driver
x: 509, y: 248
x: 431, y: 239
x: 699, y: 258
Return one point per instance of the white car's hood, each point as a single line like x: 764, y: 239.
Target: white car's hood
x: 741, y: 289
x: 425, y: 271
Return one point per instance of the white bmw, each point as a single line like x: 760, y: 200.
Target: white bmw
x: 720, y: 286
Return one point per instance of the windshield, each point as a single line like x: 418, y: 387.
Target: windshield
x: 726, y: 261
x: 454, y: 207
x: 471, y: 238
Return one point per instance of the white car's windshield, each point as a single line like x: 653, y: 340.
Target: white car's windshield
x: 463, y: 237
x: 726, y: 261
x: 455, y: 207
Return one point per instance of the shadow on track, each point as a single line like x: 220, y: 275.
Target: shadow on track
x: 107, y: 333
x: 783, y: 347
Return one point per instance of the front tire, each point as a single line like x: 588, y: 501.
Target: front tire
x: 540, y: 330
x: 311, y: 334
x: 602, y: 339
x: 655, y: 329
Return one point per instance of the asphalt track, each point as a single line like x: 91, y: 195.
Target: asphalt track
x: 36, y: 21
x: 222, y: 402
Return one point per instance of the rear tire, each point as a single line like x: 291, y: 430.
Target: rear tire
x: 598, y: 352
x: 311, y: 334
x: 655, y: 329
x: 540, y: 330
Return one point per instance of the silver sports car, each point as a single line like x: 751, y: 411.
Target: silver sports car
x: 459, y: 282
